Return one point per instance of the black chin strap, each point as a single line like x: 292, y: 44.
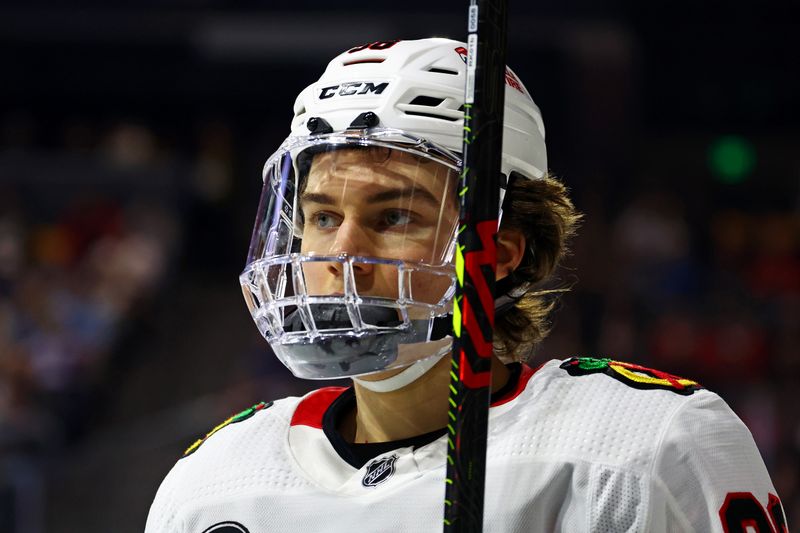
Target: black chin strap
x: 509, y: 296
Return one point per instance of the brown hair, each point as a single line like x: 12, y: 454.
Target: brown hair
x: 542, y: 211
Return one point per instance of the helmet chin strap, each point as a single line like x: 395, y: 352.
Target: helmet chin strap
x: 407, y: 376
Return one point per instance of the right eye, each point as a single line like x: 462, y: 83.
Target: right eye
x: 324, y: 220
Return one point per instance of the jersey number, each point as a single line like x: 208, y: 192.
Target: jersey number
x: 742, y: 510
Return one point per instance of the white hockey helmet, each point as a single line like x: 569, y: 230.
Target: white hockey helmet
x: 390, y: 114
x: 418, y: 87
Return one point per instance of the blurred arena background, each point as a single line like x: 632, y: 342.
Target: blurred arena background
x: 131, y: 145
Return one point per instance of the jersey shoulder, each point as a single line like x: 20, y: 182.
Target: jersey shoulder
x: 605, y: 387
x: 219, y: 466
x: 627, y: 414
x: 264, y: 422
x: 598, y: 411
x: 630, y: 426
x: 233, y: 419
x: 668, y: 407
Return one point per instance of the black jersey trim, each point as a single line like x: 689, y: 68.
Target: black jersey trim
x: 632, y: 375
x: 357, y: 455
x: 515, y: 371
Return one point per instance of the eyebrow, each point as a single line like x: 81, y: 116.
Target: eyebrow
x: 382, y: 196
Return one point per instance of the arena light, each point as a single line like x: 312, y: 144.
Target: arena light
x: 731, y: 159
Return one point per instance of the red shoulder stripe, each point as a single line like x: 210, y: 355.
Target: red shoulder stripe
x: 311, y: 409
x: 524, y: 377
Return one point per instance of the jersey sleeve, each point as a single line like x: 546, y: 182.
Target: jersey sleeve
x: 710, y: 473
x: 162, y: 517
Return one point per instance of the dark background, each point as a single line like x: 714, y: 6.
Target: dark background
x: 131, y: 145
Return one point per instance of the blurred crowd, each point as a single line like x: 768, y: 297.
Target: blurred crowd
x: 78, y: 263
x: 69, y: 286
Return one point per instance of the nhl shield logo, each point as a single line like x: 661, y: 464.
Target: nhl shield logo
x: 379, y: 471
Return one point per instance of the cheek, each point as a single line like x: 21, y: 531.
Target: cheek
x: 429, y: 288
x: 315, y: 275
x: 425, y: 248
x: 384, y: 282
x: 310, y: 243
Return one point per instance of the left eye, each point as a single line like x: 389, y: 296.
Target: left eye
x: 396, y: 218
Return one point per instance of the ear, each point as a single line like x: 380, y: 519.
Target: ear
x: 510, y: 250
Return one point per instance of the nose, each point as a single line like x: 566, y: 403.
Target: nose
x: 351, y: 239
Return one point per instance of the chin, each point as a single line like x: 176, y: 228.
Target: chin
x: 378, y: 376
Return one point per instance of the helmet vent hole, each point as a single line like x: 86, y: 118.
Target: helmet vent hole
x: 360, y: 61
x: 429, y: 101
x: 438, y: 70
x: 432, y: 115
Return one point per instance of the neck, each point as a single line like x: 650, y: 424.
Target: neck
x: 416, y: 409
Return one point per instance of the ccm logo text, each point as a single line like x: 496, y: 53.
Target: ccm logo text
x: 352, y: 87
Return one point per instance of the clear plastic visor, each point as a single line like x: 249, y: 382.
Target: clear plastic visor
x: 385, y: 194
x: 353, y: 243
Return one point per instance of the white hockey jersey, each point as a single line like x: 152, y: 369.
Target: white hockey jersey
x: 582, y: 445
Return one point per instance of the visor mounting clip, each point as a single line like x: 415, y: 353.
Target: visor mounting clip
x: 365, y: 120
x: 318, y: 126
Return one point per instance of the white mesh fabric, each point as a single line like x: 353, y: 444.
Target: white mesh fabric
x: 618, y: 500
x: 239, y: 461
x: 707, y: 452
x: 592, y: 418
x: 569, y: 454
x: 543, y: 496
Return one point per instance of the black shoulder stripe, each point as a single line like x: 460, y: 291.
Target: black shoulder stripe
x: 632, y: 375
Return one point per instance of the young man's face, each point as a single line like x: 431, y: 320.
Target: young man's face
x: 382, y: 203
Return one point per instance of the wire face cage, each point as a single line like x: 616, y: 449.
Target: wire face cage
x: 350, y: 266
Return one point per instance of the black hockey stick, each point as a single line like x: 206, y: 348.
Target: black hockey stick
x: 476, y: 260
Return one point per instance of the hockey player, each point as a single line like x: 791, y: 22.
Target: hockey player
x: 350, y: 274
